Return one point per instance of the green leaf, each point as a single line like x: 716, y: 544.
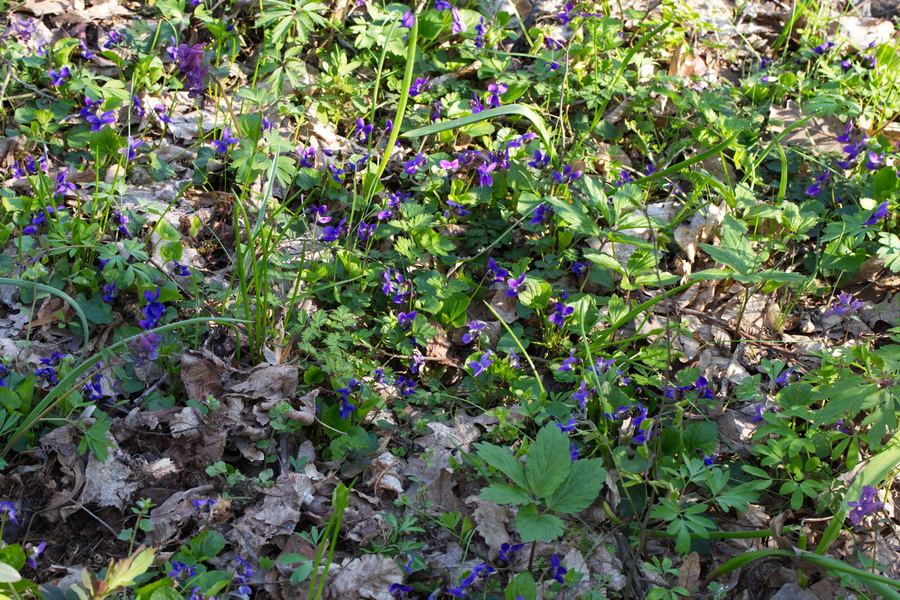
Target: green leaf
x: 8, y: 574
x: 207, y: 545
x: 607, y: 261
x: 505, y: 494
x: 885, y: 184
x: 580, y: 488
x: 454, y: 308
x: 700, y: 435
x: 535, y: 527
x: 503, y: 460
x: 549, y: 462
x: 536, y: 294
x: 522, y: 585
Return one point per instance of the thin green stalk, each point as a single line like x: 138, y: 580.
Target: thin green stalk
x: 521, y: 348
x: 372, y: 179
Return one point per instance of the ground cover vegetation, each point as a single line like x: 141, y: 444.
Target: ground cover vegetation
x: 453, y: 300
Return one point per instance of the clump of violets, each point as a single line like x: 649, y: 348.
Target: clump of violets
x: 865, y: 506
x: 845, y: 304
x: 48, y: 371
x: 192, y: 64
x: 39, y: 218
x: 855, y: 141
x: 395, y: 286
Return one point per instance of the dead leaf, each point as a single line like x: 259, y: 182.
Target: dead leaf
x: 689, y: 574
x: 862, y: 31
x: 490, y: 523
x: 277, y: 514
x: 386, y: 474
x: 818, y: 132
x: 368, y: 577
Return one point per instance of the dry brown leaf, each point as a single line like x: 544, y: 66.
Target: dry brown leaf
x: 277, y: 514
x: 818, y: 132
x: 368, y: 577
x: 689, y: 574
x: 490, y: 523
x: 386, y: 474
x: 169, y: 516
x: 862, y: 31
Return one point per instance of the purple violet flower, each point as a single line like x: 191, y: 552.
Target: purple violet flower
x: 458, y: 25
x: 153, y: 310
x: 560, y: 312
x: 880, y: 213
x: 494, y: 92
x: 331, y: 233
x: 411, y: 167
x: 558, y: 569
x: 865, y: 506
x: 480, y: 366
x: 844, y: 305
x: 32, y: 552
x: 516, y: 286
x: 58, y: 77
x: 193, y: 66
x: 419, y: 85
x: 98, y: 121
x: 406, y: 319
x: 816, y: 188
x: 130, y: 149
x: 221, y: 145
x: 475, y: 331
x: 455, y: 210
x: 567, y: 175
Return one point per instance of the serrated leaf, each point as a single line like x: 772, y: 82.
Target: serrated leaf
x: 503, y: 460
x: 536, y: 527
x: 505, y: 494
x: 580, y: 488
x: 549, y: 462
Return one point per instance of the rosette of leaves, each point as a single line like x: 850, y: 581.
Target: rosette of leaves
x: 548, y: 484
